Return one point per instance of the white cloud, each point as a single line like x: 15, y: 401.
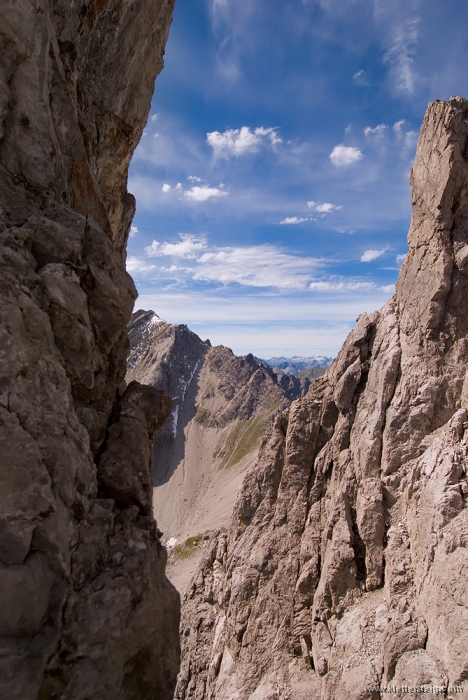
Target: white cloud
x: 400, y: 259
x: 400, y: 54
x: 256, y: 266
x: 324, y: 208
x: 194, y: 178
x: 136, y: 265
x: 249, y: 266
x: 294, y: 220
x: 236, y: 142
x: 200, y: 193
x: 342, y: 285
x: 154, y: 117
x: 167, y: 188
x: 369, y: 255
x: 376, y: 130
x: 232, y: 141
x: 342, y: 156
x: 360, y: 78
x: 188, y: 247
x: 398, y: 125
x: 133, y: 231
x: 270, y: 133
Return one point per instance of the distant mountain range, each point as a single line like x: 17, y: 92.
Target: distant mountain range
x: 300, y: 366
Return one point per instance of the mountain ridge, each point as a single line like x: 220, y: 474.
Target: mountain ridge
x: 222, y: 405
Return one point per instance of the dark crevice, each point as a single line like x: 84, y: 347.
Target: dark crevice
x: 359, y: 549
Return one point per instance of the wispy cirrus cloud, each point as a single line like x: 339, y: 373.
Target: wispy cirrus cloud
x: 337, y: 284
x: 251, y: 266
x: 372, y: 254
x: 400, y: 54
x: 359, y: 78
x: 375, y: 130
x: 192, y: 260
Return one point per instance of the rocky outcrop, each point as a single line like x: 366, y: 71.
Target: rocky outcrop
x: 87, y: 611
x: 222, y: 405
x: 345, y: 564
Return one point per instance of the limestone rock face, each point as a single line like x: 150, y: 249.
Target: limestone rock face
x: 345, y: 564
x: 222, y: 405
x: 87, y: 611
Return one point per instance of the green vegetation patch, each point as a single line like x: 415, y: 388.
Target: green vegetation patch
x: 202, y: 415
x: 189, y: 547
x: 241, y: 441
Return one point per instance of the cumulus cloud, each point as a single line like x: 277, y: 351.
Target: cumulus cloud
x: 294, y: 220
x: 376, y: 130
x: 236, y: 142
x: 398, y: 126
x: 194, y: 178
x: 400, y: 259
x: 369, y: 255
x: 133, y: 231
x: 270, y: 133
x: 189, y: 247
x: 342, y: 156
x: 324, y: 208
x: 200, y: 193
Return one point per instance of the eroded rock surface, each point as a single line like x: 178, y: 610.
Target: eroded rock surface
x: 346, y: 562
x: 87, y: 611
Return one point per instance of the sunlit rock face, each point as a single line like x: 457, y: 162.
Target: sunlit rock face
x: 86, y: 609
x: 345, y: 564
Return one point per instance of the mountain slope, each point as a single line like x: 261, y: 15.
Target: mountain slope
x: 222, y: 407
x: 345, y: 564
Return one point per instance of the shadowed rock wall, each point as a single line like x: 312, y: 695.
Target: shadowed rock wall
x: 346, y: 562
x: 86, y: 610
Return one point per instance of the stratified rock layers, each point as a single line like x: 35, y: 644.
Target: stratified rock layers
x: 86, y: 609
x: 346, y: 562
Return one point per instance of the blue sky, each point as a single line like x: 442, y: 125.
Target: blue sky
x: 272, y: 177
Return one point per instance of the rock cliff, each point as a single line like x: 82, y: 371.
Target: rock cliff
x: 222, y: 407
x: 345, y: 564
x: 87, y: 611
